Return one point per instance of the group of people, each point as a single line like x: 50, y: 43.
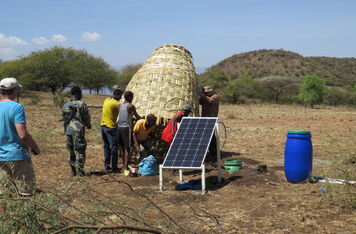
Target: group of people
x: 116, y: 130
x: 118, y: 136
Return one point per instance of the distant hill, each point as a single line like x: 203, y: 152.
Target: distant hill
x: 262, y: 63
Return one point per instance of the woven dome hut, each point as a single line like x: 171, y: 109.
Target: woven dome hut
x: 165, y: 82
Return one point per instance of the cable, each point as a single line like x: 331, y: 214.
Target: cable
x: 225, y: 137
x: 172, y: 100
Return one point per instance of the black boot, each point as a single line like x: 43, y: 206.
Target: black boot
x: 74, y: 172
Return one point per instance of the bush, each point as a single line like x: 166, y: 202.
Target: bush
x: 337, y: 96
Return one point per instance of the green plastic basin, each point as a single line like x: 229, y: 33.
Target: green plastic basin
x: 232, y: 169
x: 233, y: 162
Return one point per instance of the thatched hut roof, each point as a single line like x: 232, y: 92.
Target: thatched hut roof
x: 165, y: 82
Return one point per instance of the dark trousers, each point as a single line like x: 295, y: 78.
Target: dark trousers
x: 213, y: 146
x: 110, y: 146
x: 211, y: 156
x: 148, y: 149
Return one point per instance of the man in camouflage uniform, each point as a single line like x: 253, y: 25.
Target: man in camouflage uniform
x: 76, y: 117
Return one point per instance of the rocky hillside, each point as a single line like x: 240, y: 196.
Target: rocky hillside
x: 262, y: 63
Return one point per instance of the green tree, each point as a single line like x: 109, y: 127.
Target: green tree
x: 218, y: 80
x: 12, y: 69
x: 312, y: 90
x: 246, y: 87
x: 55, y: 68
x: 238, y: 90
x: 230, y: 90
x: 95, y: 73
x: 274, y: 88
x: 126, y: 73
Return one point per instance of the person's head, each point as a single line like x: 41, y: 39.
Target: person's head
x: 208, y: 91
x: 117, y: 94
x: 187, y: 108
x: 128, y: 95
x: 9, y: 87
x: 151, y: 120
x: 76, y: 92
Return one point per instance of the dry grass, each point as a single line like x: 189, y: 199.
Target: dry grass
x: 248, y: 203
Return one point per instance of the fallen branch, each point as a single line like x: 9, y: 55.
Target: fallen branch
x: 151, y: 202
x: 127, y: 227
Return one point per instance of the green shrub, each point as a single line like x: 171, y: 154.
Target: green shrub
x: 35, y: 100
x: 60, y: 98
x: 337, y: 96
x: 312, y: 91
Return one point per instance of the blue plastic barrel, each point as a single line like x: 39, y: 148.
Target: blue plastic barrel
x: 298, y: 156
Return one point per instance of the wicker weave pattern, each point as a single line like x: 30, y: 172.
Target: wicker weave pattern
x: 166, y: 81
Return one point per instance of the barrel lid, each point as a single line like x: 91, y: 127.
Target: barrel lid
x: 299, y: 132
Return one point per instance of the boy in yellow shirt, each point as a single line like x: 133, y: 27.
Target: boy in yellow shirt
x: 141, y: 131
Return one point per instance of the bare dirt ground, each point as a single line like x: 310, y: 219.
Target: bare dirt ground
x: 244, y: 203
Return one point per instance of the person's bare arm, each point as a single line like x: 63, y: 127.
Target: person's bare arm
x: 211, y: 99
x: 137, y: 146
x: 118, y: 114
x: 26, y: 137
x: 174, y: 119
x: 132, y: 110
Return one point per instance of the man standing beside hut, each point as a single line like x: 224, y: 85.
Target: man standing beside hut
x: 209, y: 101
x: 110, y: 113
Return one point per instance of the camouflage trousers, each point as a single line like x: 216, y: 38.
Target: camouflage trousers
x: 76, y: 146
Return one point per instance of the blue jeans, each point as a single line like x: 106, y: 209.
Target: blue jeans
x: 110, y: 146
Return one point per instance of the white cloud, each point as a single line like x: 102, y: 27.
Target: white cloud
x: 11, y: 41
x: 40, y: 40
x: 87, y: 36
x: 59, y: 38
x: 7, y: 51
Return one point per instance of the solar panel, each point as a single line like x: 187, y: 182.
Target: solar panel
x: 190, y: 143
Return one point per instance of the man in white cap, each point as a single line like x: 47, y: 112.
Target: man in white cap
x: 15, y: 141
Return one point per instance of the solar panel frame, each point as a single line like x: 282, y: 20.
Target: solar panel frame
x: 190, y: 156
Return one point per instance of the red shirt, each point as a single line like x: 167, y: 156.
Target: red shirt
x: 167, y: 131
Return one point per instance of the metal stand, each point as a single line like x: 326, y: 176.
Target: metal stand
x: 160, y: 177
x: 203, y: 179
x: 180, y: 175
x: 203, y: 184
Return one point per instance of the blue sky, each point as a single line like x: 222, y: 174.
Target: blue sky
x: 127, y: 32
